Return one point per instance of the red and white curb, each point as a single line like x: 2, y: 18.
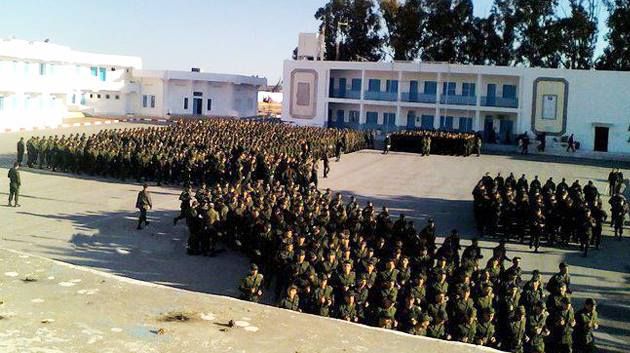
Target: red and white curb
x: 95, y: 123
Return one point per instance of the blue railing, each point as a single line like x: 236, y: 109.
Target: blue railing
x: 337, y: 93
x: 418, y: 97
x: 499, y: 102
x: 458, y: 100
x: 381, y: 96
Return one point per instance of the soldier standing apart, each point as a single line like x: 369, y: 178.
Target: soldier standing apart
x: 326, y: 164
x: 387, y: 144
x: 143, y: 203
x: 338, y: 150
x: 585, y: 322
x: 20, y: 150
x: 251, y: 285
x: 478, y: 142
x: 14, y: 184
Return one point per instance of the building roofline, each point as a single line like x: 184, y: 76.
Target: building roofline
x: 201, y: 76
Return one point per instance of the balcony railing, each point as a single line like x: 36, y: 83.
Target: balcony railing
x: 381, y: 96
x: 458, y: 100
x: 337, y: 93
x: 418, y: 97
x: 499, y: 102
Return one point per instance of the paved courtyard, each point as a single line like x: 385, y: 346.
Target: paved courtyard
x: 91, y: 222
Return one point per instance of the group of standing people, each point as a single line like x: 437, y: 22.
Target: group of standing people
x: 561, y: 214
x: 427, y: 142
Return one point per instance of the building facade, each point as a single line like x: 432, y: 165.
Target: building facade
x: 42, y: 83
x: 499, y: 102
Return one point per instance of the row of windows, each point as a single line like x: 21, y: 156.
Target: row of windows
x: 15, y: 102
x: 30, y: 69
x: 468, y: 89
x: 426, y: 121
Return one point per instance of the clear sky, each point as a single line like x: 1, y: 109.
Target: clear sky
x: 230, y: 36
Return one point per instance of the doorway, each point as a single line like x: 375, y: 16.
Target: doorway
x: 601, y: 139
x: 197, y: 106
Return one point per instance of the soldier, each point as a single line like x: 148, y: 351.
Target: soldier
x: 14, y: 184
x: 323, y: 297
x: 485, y: 335
x: 387, y: 145
x: 20, y: 150
x: 292, y: 300
x: 537, y: 329
x: 600, y: 216
x: 585, y: 231
x: 516, y: 334
x: 251, y: 285
x: 619, y: 208
x: 586, y: 322
x: 562, y: 277
x: 562, y: 323
x: 185, y: 198
x: 348, y: 310
x: 467, y: 330
x: 438, y: 328
x: 421, y: 326
x: 326, y: 164
x: 143, y: 203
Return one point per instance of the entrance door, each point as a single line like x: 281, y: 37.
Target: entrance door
x: 488, y: 128
x: 492, y: 93
x: 601, y: 139
x: 506, y: 129
x: 342, y: 88
x: 197, y: 106
x: 411, y: 120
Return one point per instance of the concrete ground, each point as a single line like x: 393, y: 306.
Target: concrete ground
x: 91, y: 222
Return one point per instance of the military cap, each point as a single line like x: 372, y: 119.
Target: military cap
x: 323, y: 276
x: 536, y: 275
x: 565, y: 300
x: 590, y: 301
x: 563, y: 265
x: 293, y: 286
x: 426, y: 317
x: 347, y: 262
x: 351, y: 293
x: 253, y: 267
x: 488, y: 310
x: 521, y: 309
x: 301, y: 252
x: 430, y: 220
x: 372, y: 261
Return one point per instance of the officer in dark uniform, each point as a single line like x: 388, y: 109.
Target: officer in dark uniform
x: 251, y: 286
x: 21, y: 147
x: 143, y: 203
x: 14, y: 184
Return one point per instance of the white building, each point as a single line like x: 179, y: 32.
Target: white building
x: 42, y: 83
x: 593, y: 105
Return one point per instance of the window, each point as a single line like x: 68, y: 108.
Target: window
x: 107, y: 96
x: 374, y: 85
x: 209, y: 107
x: 197, y: 94
x: 427, y: 122
x: 91, y: 96
x: 98, y: 96
x: 1, y: 103
x: 74, y: 98
x: 102, y: 74
x: 446, y: 123
x: 185, y: 103
x: 145, y: 101
x: 468, y: 89
x: 117, y: 97
x: 550, y: 107
x: 354, y: 116
x: 430, y: 87
x: 340, y: 115
x: 82, y: 99
x: 371, y: 118
x: 356, y: 84
x: 448, y: 88
x: 391, y: 86
x: 113, y: 69
x: 509, y: 91
x: 152, y: 101
x: 465, y: 124
x: 42, y: 69
x: 94, y: 71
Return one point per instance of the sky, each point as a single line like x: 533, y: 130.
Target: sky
x: 251, y: 37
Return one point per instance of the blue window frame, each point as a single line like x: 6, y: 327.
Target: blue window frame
x: 446, y: 123
x: 42, y: 69
x: 340, y: 116
x: 94, y: 71
x: 374, y: 85
x: 391, y: 86
x: 448, y: 88
x: 430, y: 87
x: 354, y: 116
x: 152, y: 101
x: 465, y: 124
x: 356, y: 84
x: 145, y: 101
x: 371, y: 118
x: 468, y: 89
x: 331, y: 87
x: 509, y: 91
x: 389, y: 119
x: 82, y: 99
x: 185, y: 103
x: 209, y: 105
x: 102, y: 73
x: 427, y: 122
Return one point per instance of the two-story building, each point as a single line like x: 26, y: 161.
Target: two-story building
x: 41, y: 83
x: 500, y: 102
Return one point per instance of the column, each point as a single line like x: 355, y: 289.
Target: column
x: 363, y: 86
x: 398, y: 110
x: 438, y: 93
x: 361, y: 116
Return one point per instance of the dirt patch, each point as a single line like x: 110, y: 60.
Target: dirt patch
x: 178, y: 316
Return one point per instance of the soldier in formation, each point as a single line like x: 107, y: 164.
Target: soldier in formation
x: 511, y: 208
x: 436, y: 142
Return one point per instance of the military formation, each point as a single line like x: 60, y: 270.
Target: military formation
x: 427, y: 142
x: 558, y: 214
x: 191, y: 151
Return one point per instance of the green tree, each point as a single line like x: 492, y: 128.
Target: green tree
x: 450, y: 31
x: 404, y: 22
x: 578, y: 34
x: 503, y: 21
x: 537, y: 33
x: 358, y: 25
x: 616, y: 55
